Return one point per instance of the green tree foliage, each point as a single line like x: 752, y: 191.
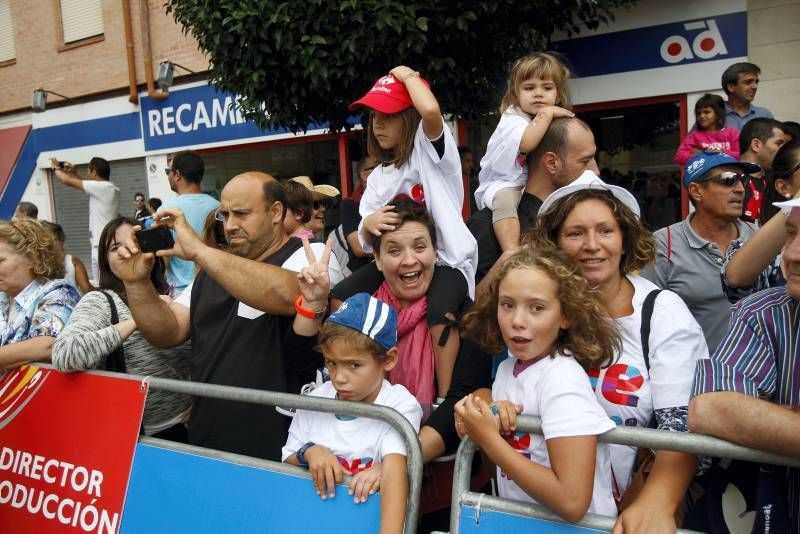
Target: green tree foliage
x: 305, y: 60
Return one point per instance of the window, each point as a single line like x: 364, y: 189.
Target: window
x: 7, y: 50
x: 81, y: 19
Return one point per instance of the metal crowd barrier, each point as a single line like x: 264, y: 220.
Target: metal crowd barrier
x: 288, y: 400
x: 639, y: 437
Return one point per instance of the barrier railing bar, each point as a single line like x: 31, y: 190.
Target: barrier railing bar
x: 289, y: 400
x: 232, y: 457
x: 639, y: 437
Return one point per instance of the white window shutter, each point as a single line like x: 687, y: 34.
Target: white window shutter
x: 7, y: 49
x: 81, y: 19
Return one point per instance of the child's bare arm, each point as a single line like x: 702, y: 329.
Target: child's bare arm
x: 394, y: 492
x: 424, y: 101
x: 535, y: 131
x: 565, y: 487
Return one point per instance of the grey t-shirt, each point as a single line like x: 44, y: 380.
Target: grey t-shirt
x: 690, y: 265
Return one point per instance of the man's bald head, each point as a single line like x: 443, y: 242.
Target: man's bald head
x: 557, y: 139
x: 270, y: 186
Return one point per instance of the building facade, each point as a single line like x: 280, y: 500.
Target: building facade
x: 636, y: 83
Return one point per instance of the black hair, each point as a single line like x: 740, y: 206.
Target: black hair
x: 554, y: 140
x: 190, y: 165
x: 714, y: 102
x: 731, y: 74
x: 101, y: 167
x: 792, y: 128
x: 760, y: 128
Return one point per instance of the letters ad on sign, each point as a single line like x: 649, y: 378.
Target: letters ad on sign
x: 66, y: 450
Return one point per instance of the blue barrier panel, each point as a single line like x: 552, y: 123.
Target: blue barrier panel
x: 491, y: 521
x: 173, y: 492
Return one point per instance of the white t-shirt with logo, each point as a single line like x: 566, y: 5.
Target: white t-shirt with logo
x: 502, y: 166
x: 437, y: 183
x: 103, y: 205
x: 355, y: 441
x: 557, y: 390
x: 624, y: 390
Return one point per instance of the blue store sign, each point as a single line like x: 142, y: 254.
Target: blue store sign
x: 196, y: 116
x: 663, y: 45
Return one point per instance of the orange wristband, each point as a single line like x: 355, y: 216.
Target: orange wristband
x: 305, y: 312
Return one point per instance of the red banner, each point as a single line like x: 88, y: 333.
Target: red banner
x: 66, y: 449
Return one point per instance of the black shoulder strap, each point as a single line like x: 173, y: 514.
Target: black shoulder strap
x: 647, y: 316
x: 116, y: 360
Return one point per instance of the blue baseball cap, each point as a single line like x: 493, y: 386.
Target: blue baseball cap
x: 702, y: 162
x: 370, y: 316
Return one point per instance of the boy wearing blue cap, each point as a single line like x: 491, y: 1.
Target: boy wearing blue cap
x: 358, y: 345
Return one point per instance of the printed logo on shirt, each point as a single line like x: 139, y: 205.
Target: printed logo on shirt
x: 356, y: 465
x: 520, y: 442
x: 418, y: 193
x: 620, y: 381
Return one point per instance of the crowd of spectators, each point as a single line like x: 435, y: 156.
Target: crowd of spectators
x: 595, y: 322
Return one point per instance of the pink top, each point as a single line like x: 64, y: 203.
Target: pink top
x: 304, y: 233
x: 726, y: 140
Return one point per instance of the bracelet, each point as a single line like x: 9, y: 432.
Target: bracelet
x: 301, y: 454
x: 305, y: 312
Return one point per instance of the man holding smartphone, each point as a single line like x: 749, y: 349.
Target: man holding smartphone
x: 103, y: 197
x: 237, y: 312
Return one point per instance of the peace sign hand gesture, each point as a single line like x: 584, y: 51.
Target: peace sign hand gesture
x: 314, y: 280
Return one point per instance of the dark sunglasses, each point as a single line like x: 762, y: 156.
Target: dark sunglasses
x: 168, y: 171
x: 730, y: 178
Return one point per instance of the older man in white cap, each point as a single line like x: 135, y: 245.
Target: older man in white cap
x: 748, y: 392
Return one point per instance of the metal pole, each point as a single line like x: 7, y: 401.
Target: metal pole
x: 273, y: 398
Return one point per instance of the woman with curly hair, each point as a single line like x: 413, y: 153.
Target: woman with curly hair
x: 541, y: 308
x: 35, y: 301
x: 598, y: 226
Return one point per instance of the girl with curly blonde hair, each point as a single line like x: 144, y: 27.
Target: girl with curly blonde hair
x: 542, y: 310
x: 35, y: 302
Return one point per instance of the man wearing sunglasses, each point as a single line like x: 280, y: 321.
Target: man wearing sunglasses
x: 690, y: 253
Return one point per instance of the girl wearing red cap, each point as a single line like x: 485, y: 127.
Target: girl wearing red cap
x: 420, y: 158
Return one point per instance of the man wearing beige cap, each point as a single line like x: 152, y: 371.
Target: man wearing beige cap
x: 323, y: 198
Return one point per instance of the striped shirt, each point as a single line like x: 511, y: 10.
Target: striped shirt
x: 89, y: 338
x: 760, y: 357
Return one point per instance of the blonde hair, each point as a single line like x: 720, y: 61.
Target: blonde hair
x: 32, y: 239
x: 542, y: 65
x: 402, y: 152
x: 592, y: 339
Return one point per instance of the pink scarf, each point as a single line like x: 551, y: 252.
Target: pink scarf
x: 415, y: 364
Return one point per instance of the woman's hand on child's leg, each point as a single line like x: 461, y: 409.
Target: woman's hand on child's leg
x: 365, y: 483
x: 325, y: 469
x: 477, y: 419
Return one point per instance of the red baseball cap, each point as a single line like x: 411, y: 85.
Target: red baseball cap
x: 388, y: 95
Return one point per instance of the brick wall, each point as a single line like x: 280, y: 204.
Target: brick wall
x: 95, y: 68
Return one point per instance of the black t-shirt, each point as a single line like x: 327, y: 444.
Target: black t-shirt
x: 348, y: 211
x: 480, y: 224
x: 233, y: 345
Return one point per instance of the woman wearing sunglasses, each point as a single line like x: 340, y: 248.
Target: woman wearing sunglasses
x: 690, y: 253
x: 755, y: 265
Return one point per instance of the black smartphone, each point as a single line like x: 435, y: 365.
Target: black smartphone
x: 158, y: 238
x: 60, y: 164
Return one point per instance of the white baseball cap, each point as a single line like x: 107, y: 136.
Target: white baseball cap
x: 589, y: 180
x: 787, y: 205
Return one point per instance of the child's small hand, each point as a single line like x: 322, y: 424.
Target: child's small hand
x: 365, y: 483
x: 314, y: 279
x: 507, y: 411
x: 477, y: 420
x: 555, y: 112
x: 325, y: 469
x: 382, y: 220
